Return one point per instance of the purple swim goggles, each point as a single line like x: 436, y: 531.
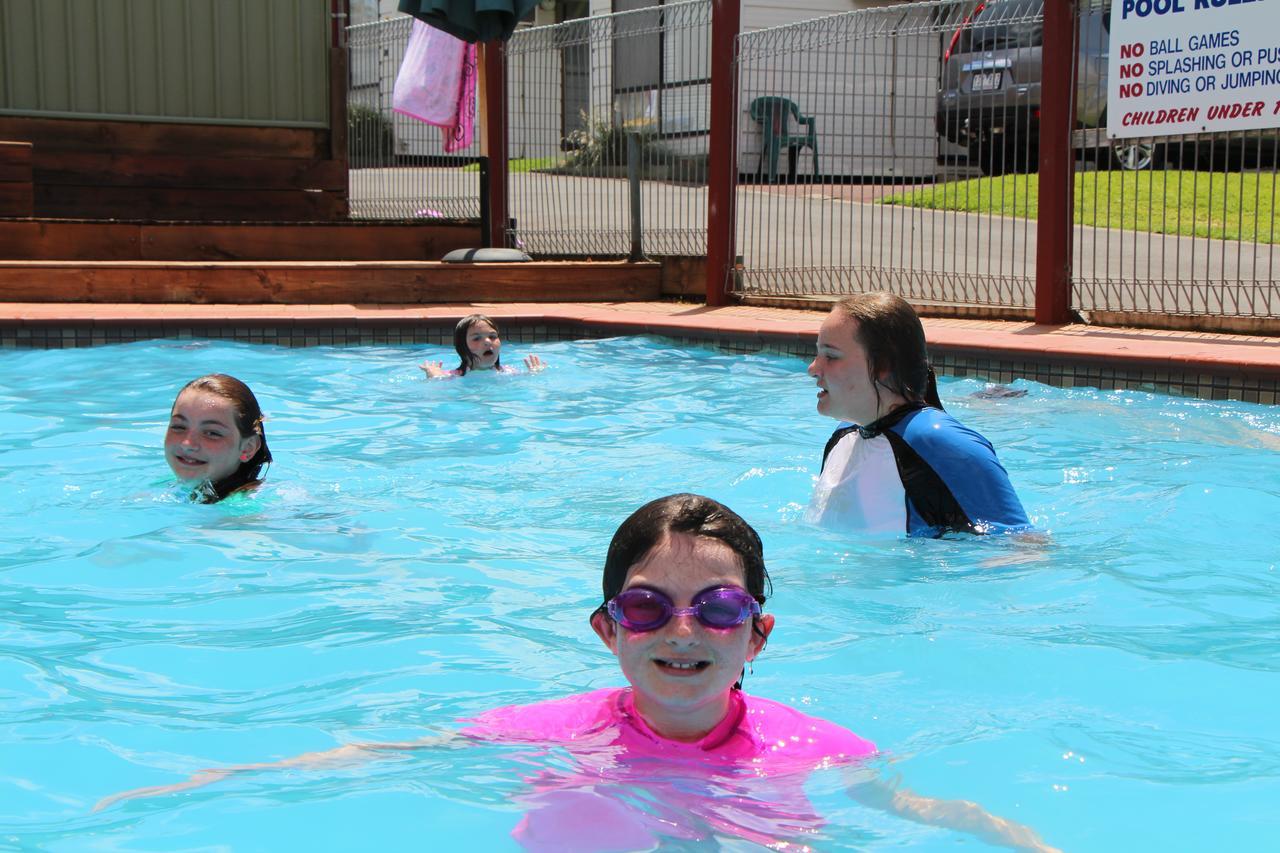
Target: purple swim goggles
x: 722, y: 607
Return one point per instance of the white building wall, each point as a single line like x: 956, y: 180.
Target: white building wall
x: 761, y: 15
x: 534, y: 97
x: 873, y: 97
x: 870, y: 89
x: 367, y: 11
x: 601, y: 69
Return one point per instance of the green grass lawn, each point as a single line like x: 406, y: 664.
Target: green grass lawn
x: 523, y: 164
x: 1227, y: 206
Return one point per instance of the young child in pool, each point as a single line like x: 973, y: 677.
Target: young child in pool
x: 479, y: 345
x: 215, y: 441
x: 682, y: 752
x: 898, y: 463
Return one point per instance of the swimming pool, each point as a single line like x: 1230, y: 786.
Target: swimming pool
x: 427, y: 550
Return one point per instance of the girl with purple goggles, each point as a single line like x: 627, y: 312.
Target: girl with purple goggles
x: 682, y: 732
x: 724, y: 607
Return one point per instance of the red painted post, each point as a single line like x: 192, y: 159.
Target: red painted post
x: 722, y: 165
x: 495, y: 137
x: 1057, y: 164
x: 339, y: 18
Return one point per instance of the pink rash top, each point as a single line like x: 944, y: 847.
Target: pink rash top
x: 632, y: 789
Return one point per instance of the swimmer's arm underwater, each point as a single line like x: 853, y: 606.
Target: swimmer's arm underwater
x: 1026, y: 548
x: 960, y: 815
x: 354, y: 753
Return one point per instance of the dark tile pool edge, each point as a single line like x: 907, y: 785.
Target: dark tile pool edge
x: 1207, y: 379
x: 1209, y: 382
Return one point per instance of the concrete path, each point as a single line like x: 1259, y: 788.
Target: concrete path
x: 827, y: 239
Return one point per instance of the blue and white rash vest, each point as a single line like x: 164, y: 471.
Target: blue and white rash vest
x: 916, y: 470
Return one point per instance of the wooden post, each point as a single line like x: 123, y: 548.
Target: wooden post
x: 493, y: 95
x: 1057, y: 164
x: 722, y: 165
x: 339, y: 18
x: 339, y: 82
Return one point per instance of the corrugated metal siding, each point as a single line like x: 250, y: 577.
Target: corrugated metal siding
x: 260, y: 62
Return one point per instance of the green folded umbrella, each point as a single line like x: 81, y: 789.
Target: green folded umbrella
x: 470, y: 20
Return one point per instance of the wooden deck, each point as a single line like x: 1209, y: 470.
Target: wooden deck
x: 114, y: 170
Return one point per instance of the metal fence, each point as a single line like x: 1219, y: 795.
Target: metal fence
x: 888, y: 148
x: 399, y: 168
x: 579, y: 95
x: 906, y: 141
x: 852, y: 102
x: 1188, y: 229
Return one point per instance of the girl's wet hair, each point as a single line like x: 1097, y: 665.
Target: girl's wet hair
x: 460, y: 341
x: 893, y: 337
x: 248, y: 421
x: 685, y: 513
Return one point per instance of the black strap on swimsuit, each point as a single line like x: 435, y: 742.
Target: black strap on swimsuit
x: 872, y: 429
x: 926, y: 492
x: 833, y: 441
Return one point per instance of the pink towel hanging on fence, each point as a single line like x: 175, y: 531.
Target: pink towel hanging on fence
x: 437, y: 84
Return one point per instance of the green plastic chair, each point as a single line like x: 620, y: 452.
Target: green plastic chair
x: 774, y: 114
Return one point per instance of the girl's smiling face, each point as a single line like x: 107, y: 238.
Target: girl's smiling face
x: 484, y: 345
x: 202, y: 441
x: 682, y: 672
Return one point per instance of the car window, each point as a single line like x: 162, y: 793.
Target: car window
x: 1003, y: 25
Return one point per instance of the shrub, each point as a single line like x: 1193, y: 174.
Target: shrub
x: 604, y: 143
x: 370, y: 137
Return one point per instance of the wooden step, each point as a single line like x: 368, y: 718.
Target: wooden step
x: 361, y: 282
x: 72, y: 240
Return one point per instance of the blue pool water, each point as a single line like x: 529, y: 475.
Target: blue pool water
x: 426, y: 550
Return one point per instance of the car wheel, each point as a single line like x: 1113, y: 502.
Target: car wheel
x: 1210, y: 155
x: 989, y: 157
x: 1022, y: 158
x: 1134, y: 156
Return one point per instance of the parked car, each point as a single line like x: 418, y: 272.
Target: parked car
x: 989, y: 99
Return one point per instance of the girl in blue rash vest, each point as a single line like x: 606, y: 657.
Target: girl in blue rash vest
x: 681, y: 753
x: 898, y: 463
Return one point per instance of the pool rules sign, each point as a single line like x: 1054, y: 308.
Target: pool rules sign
x: 1193, y: 66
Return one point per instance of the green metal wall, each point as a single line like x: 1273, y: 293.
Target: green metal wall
x: 258, y: 62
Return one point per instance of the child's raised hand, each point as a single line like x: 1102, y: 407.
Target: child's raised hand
x: 534, y: 364
x: 433, y: 369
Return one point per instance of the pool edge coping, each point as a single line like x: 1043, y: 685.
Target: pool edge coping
x: 1255, y: 358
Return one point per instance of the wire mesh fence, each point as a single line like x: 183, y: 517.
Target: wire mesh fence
x: 875, y: 189
x: 1171, y: 225
x: 905, y: 158
x: 584, y: 93
x: 398, y: 166
x: 890, y: 148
